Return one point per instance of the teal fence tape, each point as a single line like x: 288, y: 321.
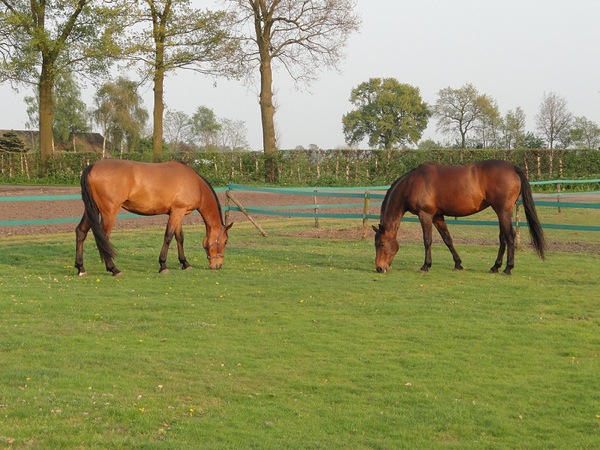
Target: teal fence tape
x: 316, y: 210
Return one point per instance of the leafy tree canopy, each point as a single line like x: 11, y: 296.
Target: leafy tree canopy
x: 387, y: 112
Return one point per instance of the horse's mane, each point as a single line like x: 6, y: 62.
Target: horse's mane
x: 389, y: 193
x: 211, y: 190
x: 214, y: 195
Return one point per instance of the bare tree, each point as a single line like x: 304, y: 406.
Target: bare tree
x: 301, y: 35
x: 460, y: 110
x: 553, y: 118
x: 233, y: 134
x: 177, y: 126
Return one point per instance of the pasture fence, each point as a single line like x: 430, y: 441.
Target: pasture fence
x: 359, y: 205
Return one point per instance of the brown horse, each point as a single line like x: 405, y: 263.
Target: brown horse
x: 432, y: 191
x: 149, y: 189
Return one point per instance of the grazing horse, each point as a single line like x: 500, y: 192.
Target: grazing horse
x: 432, y: 191
x: 148, y: 189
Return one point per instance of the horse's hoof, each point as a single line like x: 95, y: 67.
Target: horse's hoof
x: 82, y: 274
x: 117, y: 274
x: 164, y: 271
x: 458, y: 268
x: 187, y: 268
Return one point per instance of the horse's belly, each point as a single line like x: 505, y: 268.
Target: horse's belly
x: 145, y: 208
x: 464, y: 209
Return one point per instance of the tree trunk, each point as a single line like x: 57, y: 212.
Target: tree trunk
x: 262, y: 26
x: 46, y: 86
x: 267, y: 115
x: 159, y: 107
x: 159, y: 82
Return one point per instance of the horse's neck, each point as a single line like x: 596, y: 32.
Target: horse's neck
x: 210, y: 211
x: 391, y: 219
x: 394, y: 211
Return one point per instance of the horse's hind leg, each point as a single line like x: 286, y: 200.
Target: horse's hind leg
x: 501, y: 250
x: 179, y: 238
x: 81, y: 232
x: 108, y: 222
x: 426, y: 221
x: 440, y: 225
x: 510, y: 244
x: 507, y: 241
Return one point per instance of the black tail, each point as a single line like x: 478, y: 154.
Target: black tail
x: 107, y: 251
x: 535, y: 227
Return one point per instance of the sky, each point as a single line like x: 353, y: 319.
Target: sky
x: 515, y: 51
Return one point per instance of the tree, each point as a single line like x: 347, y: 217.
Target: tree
x: 180, y: 36
x: 301, y: 35
x: 43, y: 39
x: 70, y: 111
x: 120, y: 107
x: 232, y: 134
x: 388, y: 112
x: 459, y: 110
x: 177, y: 129
x: 585, y: 133
x: 488, y: 125
x: 514, y: 128
x: 205, y: 126
x: 553, y: 118
x: 10, y: 142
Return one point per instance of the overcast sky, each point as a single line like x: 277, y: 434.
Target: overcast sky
x: 512, y: 50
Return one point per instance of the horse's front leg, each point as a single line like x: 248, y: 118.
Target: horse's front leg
x: 440, y: 225
x: 426, y: 221
x: 80, y: 234
x: 173, y: 225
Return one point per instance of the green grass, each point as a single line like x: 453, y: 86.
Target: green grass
x: 296, y: 343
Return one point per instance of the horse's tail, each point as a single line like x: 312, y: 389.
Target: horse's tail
x: 105, y: 248
x: 535, y: 227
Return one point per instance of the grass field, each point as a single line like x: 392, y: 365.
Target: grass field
x: 297, y: 343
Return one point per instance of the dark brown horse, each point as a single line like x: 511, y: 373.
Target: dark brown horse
x: 432, y: 191
x: 149, y: 189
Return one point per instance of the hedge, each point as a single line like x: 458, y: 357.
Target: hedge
x: 312, y: 167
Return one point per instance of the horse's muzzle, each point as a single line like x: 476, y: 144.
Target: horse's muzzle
x: 215, y: 265
x: 381, y: 269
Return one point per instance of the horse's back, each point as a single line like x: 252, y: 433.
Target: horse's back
x: 461, y: 190
x: 144, y: 188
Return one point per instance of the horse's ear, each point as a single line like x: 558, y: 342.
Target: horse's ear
x: 229, y: 226
x: 376, y: 229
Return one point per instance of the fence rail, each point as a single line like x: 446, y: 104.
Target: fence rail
x: 315, y: 210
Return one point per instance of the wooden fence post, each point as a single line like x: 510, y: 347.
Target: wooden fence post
x: 365, y: 213
x: 316, y: 211
x: 243, y: 210
x: 517, y: 227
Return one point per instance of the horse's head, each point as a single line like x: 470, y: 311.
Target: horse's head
x: 386, y: 247
x: 215, y: 250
